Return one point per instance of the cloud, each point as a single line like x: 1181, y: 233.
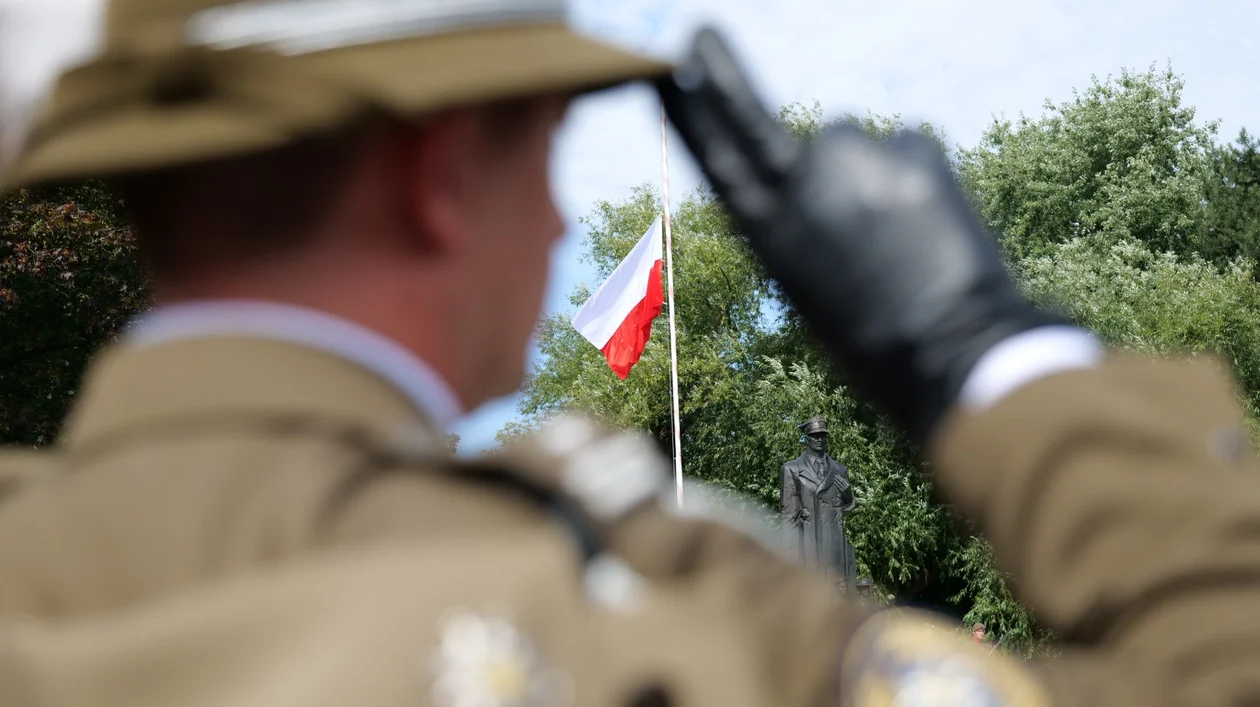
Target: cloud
x: 955, y: 64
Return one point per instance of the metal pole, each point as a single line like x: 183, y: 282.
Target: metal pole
x: 673, y: 346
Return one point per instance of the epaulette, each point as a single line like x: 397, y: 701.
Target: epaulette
x: 584, y: 475
x: 610, y: 473
x: 540, y: 471
x: 588, y: 477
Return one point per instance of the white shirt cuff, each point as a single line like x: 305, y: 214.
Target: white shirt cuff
x: 1023, y: 358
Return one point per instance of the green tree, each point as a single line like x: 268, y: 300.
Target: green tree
x: 1232, y: 192
x: 805, y: 122
x: 69, y: 278
x: 1156, y: 303
x: 1124, y: 159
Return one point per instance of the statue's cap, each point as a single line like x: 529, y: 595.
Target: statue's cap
x: 814, y: 425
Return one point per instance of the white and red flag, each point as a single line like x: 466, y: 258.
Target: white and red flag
x: 617, y: 319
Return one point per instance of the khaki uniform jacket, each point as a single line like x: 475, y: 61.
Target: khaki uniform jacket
x: 245, y: 523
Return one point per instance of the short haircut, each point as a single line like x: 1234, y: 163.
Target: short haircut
x: 977, y: 627
x: 262, y: 204
x: 255, y: 205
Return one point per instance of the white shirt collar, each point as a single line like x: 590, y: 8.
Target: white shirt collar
x: 320, y: 330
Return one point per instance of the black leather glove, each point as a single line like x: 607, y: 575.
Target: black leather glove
x: 875, y: 245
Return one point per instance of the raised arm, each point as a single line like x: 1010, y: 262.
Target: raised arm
x: 1117, y: 493
x: 1125, y: 505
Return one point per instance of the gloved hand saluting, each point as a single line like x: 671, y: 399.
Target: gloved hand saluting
x: 875, y: 245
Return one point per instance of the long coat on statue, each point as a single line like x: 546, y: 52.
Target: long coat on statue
x: 815, y: 496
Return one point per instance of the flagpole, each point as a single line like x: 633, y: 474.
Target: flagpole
x: 673, y: 346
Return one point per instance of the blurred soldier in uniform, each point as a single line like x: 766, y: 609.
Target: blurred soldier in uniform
x: 253, y: 503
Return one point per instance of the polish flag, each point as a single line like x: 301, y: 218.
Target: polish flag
x: 617, y: 319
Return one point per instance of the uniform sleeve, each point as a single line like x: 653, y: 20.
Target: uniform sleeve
x: 1125, y: 505
x: 846, y: 493
x: 789, y: 500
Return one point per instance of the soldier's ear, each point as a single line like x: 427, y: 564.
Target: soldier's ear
x: 434, y: 169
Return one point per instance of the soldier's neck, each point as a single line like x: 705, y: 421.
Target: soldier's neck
x: 815, y: 455
x: 356, y: 300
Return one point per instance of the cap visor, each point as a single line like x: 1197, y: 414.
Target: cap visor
x: 421, y: 75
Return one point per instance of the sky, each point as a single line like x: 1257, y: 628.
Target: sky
x: 955, y: 63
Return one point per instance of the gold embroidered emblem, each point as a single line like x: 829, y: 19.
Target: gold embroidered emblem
x: 908, y: 661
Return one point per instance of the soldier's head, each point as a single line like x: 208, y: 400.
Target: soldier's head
x: 436, y: 232
x: 386, y: 162
x: 815, y: 431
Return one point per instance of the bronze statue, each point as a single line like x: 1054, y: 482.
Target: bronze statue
x: 815, y: 497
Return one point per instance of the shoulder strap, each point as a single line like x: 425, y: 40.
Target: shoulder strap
x: 591, y: 479
x: 414, y: 448
x: 419, y: 449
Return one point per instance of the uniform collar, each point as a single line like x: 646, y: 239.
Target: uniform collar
x: 307, y: 327
x: 208, y: 357
x: 807, y: 462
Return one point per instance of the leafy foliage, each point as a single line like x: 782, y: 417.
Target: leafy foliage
x: 1123, y: 160
x: 69, y: 278
x: 1232, y: 192
x: 1156, y: 303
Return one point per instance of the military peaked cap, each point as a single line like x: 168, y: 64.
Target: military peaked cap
x: 814, y: 425
x: 95, y: 88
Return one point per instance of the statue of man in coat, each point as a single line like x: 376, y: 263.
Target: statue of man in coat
x: 816, y: 495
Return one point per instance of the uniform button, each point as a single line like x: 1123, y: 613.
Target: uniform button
x: 613, y: 585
